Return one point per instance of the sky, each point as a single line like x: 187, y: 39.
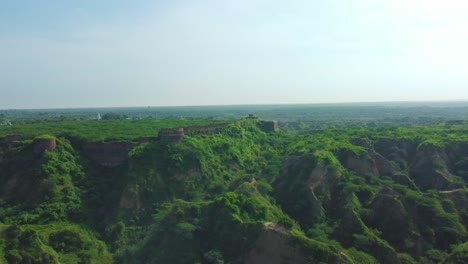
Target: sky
x: 111, y: 53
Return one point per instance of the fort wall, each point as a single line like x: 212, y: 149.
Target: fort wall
x: 207, y: 129
x: 268, y: 126
x: 108, y: 154
x: 175, y: 135
x: 171, y: 135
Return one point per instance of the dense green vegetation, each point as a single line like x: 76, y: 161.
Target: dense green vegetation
x: 337, y: 195
x: 95, y: 130
x: 290, y: 117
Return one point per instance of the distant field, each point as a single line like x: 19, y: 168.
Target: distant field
x: 101, y: 130
x: 290, y: 117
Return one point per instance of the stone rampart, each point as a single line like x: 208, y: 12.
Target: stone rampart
x: 108, y: 154
x: 268, y: 126
x: 175, y: 135
x: 171, y: 135
x: 207, y: 129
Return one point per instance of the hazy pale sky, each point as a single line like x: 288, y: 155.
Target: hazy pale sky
x: 88, y: 53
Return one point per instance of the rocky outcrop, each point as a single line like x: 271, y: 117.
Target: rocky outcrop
x: 430, y: 169
x: 321, y: 178
x: 362, y: 165
x: 369, y: 163
x: 390, y: 216
x: 308, y: 185
x: 384, y: 166
x: 274, y: 246
x: 44, y: 144
x: 396, y: 149
x: 352, y: 224
x: 108, y: 154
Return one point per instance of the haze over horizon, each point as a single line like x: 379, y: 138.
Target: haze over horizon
x: 57, y: 54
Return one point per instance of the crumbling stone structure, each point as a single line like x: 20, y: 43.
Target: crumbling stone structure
x: 44, y: 144
x: 175, y: 135
x: 171, y: 135
x: 268, y: 126
x: 207, y: 129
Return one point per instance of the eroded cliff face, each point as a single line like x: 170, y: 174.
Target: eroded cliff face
x: 274, y: 246
x: 305, y: 186
x: 430, y: 169
x: 130, y: 198
x: 312, y: 192
x: 109, y: 154
x: 369, y: 163
x: 426, y: 167
x: 362, y: 165
x: 390, y: 216
x: 351, y: 228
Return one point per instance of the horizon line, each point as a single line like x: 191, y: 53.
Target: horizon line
x: 237, y: 105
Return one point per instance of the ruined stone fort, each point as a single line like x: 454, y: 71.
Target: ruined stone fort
x: 110, y: 154
x: 175, y: 135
